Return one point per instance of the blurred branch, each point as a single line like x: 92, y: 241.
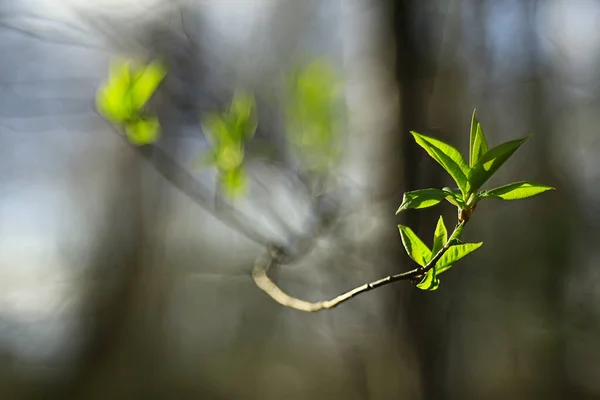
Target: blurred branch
x: 183, y: 181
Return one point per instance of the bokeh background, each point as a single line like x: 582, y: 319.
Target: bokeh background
x: 119, y: 279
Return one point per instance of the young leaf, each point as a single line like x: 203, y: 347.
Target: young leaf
x: 448, y: 157
x: 143, y: 131
x: 453, y: 254
x: 416, y: 249
x: 454, y: 197
x: 430, y: 281
x: 229, y: 156
x: 516, y: 191
x: 243, y: 115
x: 234, y: 182
x: 145, y: 83
x: 440, y: 236
x: 422, y: 198
x: 216, y: 129
x: 312, y: 123
x: 478, y: 145
x: 113, y: 100
x: 457, y: 232
x: 472, y: 133
x: 491, y: 161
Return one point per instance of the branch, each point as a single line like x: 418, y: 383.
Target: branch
x: 200, y: 194
x: 260, y: 274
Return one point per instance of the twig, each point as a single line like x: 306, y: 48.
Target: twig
x: 200, y: 194
x: 260, y: 274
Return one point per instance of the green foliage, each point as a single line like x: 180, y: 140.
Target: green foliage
x: 415, y: 248
x: 491, y: 161
x: 423, y: 198
x: 228, y: 133
x: 478, y: 144
x: 448, y: 157
x: 311, y: 109
x: 123, y: 97
x: 455, y: 253
x: 444, y: 251
x: 143, y: 131
x: 234, y: 182
x: 440, y: 236
x: 483, y: 163
x: 516, y: 191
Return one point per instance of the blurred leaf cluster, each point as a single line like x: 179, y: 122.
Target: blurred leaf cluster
x: 228, y: 133
x: 312, y: 119
x: 123, y: 97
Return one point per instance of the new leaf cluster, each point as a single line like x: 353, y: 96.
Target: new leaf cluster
x: 469, y: 177
x: 228, y: 133
x: 123, y: 97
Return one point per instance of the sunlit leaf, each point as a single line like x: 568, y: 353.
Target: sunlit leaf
x: 312, y: 123
x: 516, y: 191
x: 229, y: 157
x: 457, y: 232
x: 491, y: 161
x: 453, y: 254
x: 448, y: 157
x: 143, y: 131
x: 242, y: 114
x: 454, y: 197
x: 422, y: 198
x: 216, y: 129
x: 113, y: 100
x: 145, y: 83
x: 234, y: 183
x: 317, y: 84
x: 415, y: 248
x: 478, y: 144
x: 440, y: 236
x: 430, y: 281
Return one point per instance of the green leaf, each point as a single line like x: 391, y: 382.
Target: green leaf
x: 235, y: 126
x: 229, y: 157
x: 234, y: 182
x: 243, y: 116
x: 440, y: 236
x: 145, y: 83
x: 430, y: 281
x: 416, y: 249
x: 143, y: 131
x: 422, y: 198
x: 472, y: 134
x: 478, y: 144
x: 113, y: 100
x: 453, y: 254
x: 516, y: 191
x: 457, y: 232
x: 491, y: 161
x: 216, y: 129
x: 448, y: 157
x: 454, y: 197
x: 312, y: 123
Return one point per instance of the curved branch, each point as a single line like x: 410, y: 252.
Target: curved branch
x: 260, y: 274
x: 262, y: 280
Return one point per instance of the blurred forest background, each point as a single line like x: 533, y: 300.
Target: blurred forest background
x: 117, y: 279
